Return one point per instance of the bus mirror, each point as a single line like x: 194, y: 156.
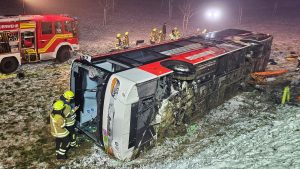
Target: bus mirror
x: 86, y: 57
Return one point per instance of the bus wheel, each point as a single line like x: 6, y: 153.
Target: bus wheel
x: 63, y: 54
x: 9, y: 65
x: 182, y: 70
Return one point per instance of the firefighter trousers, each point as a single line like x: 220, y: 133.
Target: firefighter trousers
x: 72, y: 135
x: 62, y: 144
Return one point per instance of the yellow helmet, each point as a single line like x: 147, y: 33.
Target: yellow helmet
x: 69, y: 95
x: 154, y: 29
x: 58, y: 105
x: 118, y: 35
x: 126, y: 33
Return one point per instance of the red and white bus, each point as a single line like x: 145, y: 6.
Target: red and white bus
x: 131, y: 98
x: 31, y: 38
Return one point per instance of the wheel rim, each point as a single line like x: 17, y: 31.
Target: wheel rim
x: 182, y: 68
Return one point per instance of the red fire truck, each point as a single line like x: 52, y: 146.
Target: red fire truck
x: 32, y: 38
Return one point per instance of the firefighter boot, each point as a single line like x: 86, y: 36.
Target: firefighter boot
x: 61, y: 157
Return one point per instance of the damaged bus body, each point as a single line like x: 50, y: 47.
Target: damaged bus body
x: 129, y: 99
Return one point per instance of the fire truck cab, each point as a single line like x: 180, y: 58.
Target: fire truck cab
x: 32, y: 38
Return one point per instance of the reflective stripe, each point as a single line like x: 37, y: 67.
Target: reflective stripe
x: 70, y: 124
x: 62, y: 150
x: 73, y: 117
x: 61, y: 153
x: 63, y: 124
x: 58, y: 36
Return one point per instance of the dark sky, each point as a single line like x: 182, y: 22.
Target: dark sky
x: 287, y: 8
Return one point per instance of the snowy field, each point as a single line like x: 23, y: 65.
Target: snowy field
x: 247, y: 131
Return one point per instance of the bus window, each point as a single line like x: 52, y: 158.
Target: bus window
x: 46, y: 28
x: 58, y: 27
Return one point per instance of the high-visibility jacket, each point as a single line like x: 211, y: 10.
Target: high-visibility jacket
x: 70, y: 115
x: 118, y: 44
x: 126, y: 41
x: 286, y: 95
x: 177, y: 34
x: 57, y: 124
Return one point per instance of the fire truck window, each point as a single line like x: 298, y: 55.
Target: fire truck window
x: 71, y: 27
x: 58, y: 27
x: 68, y: 26
x: 46, y: 27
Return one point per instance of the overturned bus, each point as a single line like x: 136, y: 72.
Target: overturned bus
x: 130, y: 99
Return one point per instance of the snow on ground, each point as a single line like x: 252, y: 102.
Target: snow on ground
x: 245, y: 132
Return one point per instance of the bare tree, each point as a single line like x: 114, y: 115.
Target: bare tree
x: 170, y: 8
x: 114, y: 5
x: 240, y: 7
x: 107, y: 5
x: 162, y: 3
x: 275, y: 7
x: 187, y: 9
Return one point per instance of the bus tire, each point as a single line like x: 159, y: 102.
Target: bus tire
x: 182, y: 70
x: 9, y: 65
x: 63, y: 54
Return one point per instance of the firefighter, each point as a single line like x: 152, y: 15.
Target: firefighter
x: 126, y: 40
x: 58, y: 130
x: 161, y: 36
x: 175, y: 34
x: 153, y: 36
x: 118, y: 44
x: 70, y: 116
x: 164, y: 32
x: 172, y: 35
x: 298, y: 66
x: 286, y: 94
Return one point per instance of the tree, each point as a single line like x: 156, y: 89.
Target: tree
x: 187, y: 9
x: 240, y: 7
x: 170, y: 8
x: 275, y: 7
x: 107, y: 5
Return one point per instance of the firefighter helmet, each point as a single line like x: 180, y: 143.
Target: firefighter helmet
x: 58, y: 105
x: 118, y: 35
x: 126, y: 33
x: 69, y: 95
x: 154, y: 29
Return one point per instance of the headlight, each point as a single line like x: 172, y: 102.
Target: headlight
x: 213, y: 14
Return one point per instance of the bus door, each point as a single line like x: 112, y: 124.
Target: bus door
x: 89, y: 84
x: 45, y: 35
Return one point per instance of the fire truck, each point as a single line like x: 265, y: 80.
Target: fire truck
x: 33, y: 38
x: 132, y: 98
